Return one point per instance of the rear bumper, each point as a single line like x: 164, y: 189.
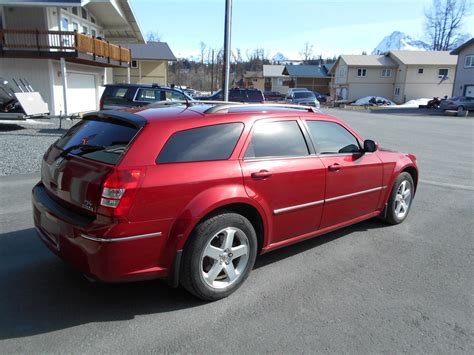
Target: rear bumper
x: 86, y: 243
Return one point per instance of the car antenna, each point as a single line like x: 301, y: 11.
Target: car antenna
x: 185, y: 98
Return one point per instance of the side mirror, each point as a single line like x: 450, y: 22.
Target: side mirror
x: 370, y: 146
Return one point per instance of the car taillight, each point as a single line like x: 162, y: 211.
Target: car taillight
x: 119, y: 190
x: 101, y: 104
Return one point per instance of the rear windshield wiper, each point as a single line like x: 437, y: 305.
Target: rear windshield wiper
x: 83, y: 147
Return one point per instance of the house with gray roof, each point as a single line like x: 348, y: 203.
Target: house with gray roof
x: 149, y: 64
x: 274, y: 78
x: 313, y: 77
x: 398, y: 75
x: 464, y: 77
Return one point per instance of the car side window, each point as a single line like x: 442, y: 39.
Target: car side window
x: 149, y: 95
x: 332, y: 138
x: 216, y: 142
x: 277, y: 139
x: 174, y: 96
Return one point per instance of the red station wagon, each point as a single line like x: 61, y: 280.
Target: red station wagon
x: 192, y: 193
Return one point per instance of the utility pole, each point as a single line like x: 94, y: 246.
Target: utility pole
x: 227, y: 34
x: 212, y: 72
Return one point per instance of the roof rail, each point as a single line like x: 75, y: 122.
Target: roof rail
x: 224, y: 107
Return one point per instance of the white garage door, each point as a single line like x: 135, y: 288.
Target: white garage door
x: 469, y: 90
x: 81, y: 92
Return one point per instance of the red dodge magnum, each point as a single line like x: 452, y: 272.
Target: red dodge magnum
x: 193, y: 192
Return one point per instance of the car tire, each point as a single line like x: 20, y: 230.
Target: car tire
x: 460, y: 108
x: 219, y: 256
x: 400, y: 200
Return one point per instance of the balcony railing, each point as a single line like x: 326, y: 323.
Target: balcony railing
x: 58, y: 42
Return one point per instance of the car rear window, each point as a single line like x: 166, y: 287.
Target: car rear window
x: 215, y: 142
x: 304, y: 95
x: 111, y: 138
x: 115, y: 92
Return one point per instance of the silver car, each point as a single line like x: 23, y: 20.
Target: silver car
x: 307, y: 98
x: 459, y: 103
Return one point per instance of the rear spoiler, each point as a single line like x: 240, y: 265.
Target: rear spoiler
x: 119, y: 116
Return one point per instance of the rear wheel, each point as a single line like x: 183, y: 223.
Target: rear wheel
x: 460, y: 108
x: 220, y: 255
x: 399, y: 202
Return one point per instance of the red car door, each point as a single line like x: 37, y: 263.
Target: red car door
x: 353, y: 179
x: 284, y: 178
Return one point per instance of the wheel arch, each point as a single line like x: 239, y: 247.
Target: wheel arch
x: 414, y: 175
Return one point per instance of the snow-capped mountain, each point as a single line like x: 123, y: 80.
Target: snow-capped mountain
x: 400, y: 41
x: 279, y: 57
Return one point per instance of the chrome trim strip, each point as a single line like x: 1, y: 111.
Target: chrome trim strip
x: 315, y: 203
x: 297, y: 207
x: 355, y: 194
x: 109, y: 240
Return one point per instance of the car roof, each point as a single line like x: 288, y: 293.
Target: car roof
x: 150, y: 86
x: 208, y: 113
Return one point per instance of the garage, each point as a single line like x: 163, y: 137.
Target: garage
x: 81, y: 92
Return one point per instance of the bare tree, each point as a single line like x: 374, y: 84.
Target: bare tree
x: 202, y: 50
x: 307, y: 52
x: 153, y: 36
x: 444, y: 21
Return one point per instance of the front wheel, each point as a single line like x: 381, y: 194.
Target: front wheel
x: 219, y: 256
x: 401, y: 197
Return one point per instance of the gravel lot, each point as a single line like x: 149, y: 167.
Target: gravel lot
x: 24, y: 143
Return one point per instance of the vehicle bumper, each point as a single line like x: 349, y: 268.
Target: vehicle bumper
x: 82, y: 242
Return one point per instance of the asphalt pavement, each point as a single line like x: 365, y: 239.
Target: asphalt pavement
x: 368, y: 288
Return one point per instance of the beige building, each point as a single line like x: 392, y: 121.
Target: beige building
x: 254, y: 79
x: 464, y: 78
x: 149, y: 64
x: 398, y: 75
x: 274, y: 78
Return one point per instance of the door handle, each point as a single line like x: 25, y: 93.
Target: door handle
x: 262, y: 174
x: 335, y: 167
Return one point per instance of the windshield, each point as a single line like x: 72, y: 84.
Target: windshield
x: 304, y: 95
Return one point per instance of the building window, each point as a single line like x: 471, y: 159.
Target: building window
x: 92, y: 19
x: 74, y: 11
x: 84, y: 13
x: 469, y: 61
x: 85, y: 30
x: 75, y: 26
x: 134, y: 64
x: 362, y: 72
x: 386, y: 73
x: 280, y: 81
x: 443, y: 73
x: 420, y: 70
x: 93, y: 33
x: 397, y: 91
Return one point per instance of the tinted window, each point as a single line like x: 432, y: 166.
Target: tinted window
x: 255, y: 95
x: 304, y: 95
x: 174, y: 96
x: 332, y: 138
x: 115, y: 92
x: 199, y: 144
x: 277, y: 139
x: 149, y: 95
x: 112, y: 137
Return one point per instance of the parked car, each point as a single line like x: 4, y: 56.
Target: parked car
x: 117, y: 96
x: 193, y: 194
x: 459, y: 103
x: 236, y: 95
x: 273, y: 96
x: 292, y: 90
x: 303, y: 98
x: 321, y: 97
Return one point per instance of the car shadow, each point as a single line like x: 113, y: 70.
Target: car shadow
x: 288, y: 251
x: 40, y: 293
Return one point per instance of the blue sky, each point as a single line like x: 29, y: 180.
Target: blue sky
x: 333, y: 27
